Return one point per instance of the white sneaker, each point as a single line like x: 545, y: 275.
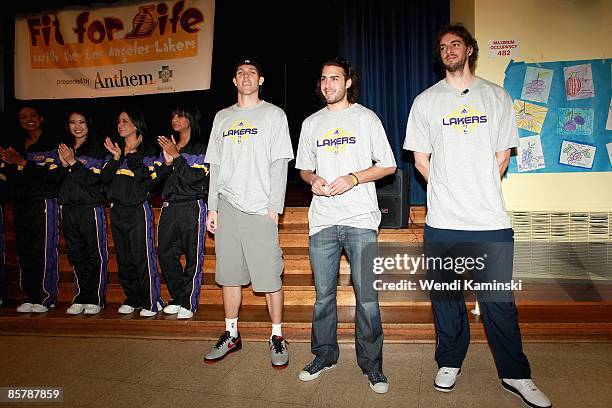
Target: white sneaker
x: 25, y: 308
x: 126, y: 309
x: 172, y: 309
x: 529, y: 393
x: 75, y: 309
x: 150, y: 313
x: 445, y: 379
x: 91, y: 309
x: 184, y: 314
x: 36, y: 308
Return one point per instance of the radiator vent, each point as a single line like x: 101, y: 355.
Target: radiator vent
x: 562, y: 245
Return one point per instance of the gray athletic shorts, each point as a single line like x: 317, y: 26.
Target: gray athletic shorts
x: 247, y: 250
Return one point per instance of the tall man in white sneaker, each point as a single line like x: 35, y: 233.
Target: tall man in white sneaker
x: 337, y: 147
x: 461, y: 131
x: 248, y: 152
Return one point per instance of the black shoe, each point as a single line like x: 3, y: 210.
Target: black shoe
x: 313, y: 371
x: 378, y: 383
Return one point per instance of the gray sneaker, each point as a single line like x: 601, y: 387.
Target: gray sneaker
x: 225, y: 345
x: 278, y: 352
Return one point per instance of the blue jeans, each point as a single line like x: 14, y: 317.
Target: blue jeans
x: 325, y: 249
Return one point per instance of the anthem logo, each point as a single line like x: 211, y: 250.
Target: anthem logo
x: 336, y: 141
x: 119, y: 80
x: 240, y: 131
x: 465, y: 119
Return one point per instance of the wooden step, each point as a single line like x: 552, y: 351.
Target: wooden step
x: 290, y: 236
x: 299, y: 215
x: 548, y: 310
x: 297, y: 261
x: 291, y: 215
x: 581, y: 322
x: 300, y: 290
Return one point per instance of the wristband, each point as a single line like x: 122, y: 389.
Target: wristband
x: 355, y: 177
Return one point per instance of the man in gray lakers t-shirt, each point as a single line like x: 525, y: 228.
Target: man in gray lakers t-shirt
x: 461, y: 131
x: 248, y: 152
x: 337, y: 147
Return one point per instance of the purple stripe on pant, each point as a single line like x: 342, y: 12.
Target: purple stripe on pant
x: 154, y: 285
x: 50, y: 273
x: 77, y: 287
x: 194, y: 299
x: 100, y: 216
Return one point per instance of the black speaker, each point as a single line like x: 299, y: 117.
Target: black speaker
x: 392, y: 192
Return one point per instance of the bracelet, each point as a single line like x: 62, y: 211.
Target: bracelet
x: 355, y: 177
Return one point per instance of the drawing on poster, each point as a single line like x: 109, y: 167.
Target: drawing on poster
x: 529, y: 116
x: 577, y: 154
x: 536, y: 86
x: 575, y: 121
x: 578, y: 82
x: 609, y: 146
x: 530, y: 155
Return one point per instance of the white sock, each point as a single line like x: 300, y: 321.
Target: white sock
x: 276, y: 330
x: 231, y: 325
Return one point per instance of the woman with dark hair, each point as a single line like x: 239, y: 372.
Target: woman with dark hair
x: 33, y: 180
x: 83, y: 216
x: 130, y: 176
x: 182, y: 223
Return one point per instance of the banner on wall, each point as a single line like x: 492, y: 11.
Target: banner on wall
x: 126, y: 49
x: 561, y: 110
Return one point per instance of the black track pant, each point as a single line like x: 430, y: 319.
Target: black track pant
x: 182, y: 230
x: 133, y: 235
x: 86, y: 242
x: 36, y: 224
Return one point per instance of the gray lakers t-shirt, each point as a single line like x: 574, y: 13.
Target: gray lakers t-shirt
x: 462, y: 131
x: 245, y: 142
x: 334, y: 144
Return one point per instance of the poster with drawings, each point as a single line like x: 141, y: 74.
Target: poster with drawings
x: 530, y: 155
x: 577, y: 114
x: 578, y: 82
x: 575, y: 121
x: 529, y: 116
x: 536, y: 86
x: 577, y: 154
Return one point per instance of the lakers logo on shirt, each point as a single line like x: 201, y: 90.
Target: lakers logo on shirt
x: 465, y: 119
x: 336, y: 140
x: 240, y: 131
